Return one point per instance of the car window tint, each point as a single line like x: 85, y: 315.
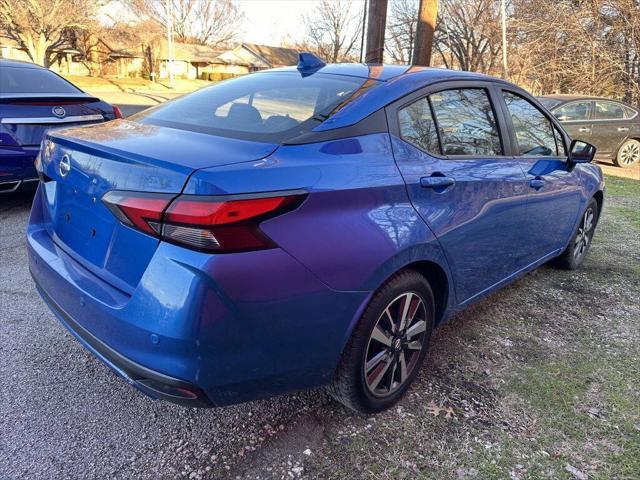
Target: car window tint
x: 560, y: 146
x: 629, y: 112
x: 270, y: 107
x: 33, y: 80
x: 417, y: 126
x: 573, y: 112
x: 467, y: 123
x: 533, y: 130
x: 608, y: 111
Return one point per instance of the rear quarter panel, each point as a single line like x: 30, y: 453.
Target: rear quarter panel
x: 357, y: 226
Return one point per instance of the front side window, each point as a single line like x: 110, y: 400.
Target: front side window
x: 560, y: 146
x: 466, y: 122
x: 271, y: 107
x: 573, y: 112
x: 417, y: 126
x: 608, y: 111
x: 533, y: 130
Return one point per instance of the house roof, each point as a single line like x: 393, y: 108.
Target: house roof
x: 189, y: 52
x: 274, y: 56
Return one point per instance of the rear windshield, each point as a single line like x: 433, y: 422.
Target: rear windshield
x: 32, y: 80
x: 269, y: 107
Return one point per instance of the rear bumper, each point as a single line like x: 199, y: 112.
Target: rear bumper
x: 150, y: 382
x: 225, y: 328
x: 17, y: 169
x: 10, y: 186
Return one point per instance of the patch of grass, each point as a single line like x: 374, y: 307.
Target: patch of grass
x: 622, y: 187
x: 591, y: 402
x: 104, y: 84
x: 631, y: 215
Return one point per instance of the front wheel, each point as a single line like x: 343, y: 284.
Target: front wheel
x: 388, y: 345
x: 576, y: 251
x: 628, y: 154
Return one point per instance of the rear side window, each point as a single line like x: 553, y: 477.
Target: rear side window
x: 417, y: 126
x: 533, y: 130
x: 32, y: 80
x: 466, y: 122
x: 629, y: 112
x: 573, y: 112
x: 271, y: 107
x: 608, y: 111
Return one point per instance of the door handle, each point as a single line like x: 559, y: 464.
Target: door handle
x: 623, y: 129
x: 584, y: 129
x: 537, y: 183
x: 436, y: 182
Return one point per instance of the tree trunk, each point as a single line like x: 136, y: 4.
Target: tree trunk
x: 37, y: 48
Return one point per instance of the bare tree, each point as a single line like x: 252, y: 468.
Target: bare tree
x: 333, y: 29
x: 401, y: 30
x: 590, y: 46
x: 469, y: 31
x: 39, y: 26
x: 212, y: 22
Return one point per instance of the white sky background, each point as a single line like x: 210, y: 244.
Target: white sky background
x: 273, y: 22
x: 267, y: 22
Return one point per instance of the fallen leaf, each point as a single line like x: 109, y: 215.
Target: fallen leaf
x: 575, y: 472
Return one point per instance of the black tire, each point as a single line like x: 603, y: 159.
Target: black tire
x: 578, y: 247
x: 628, y: 154
x: 358, y: 390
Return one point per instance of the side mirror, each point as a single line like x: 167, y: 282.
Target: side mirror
x: 581, y: 152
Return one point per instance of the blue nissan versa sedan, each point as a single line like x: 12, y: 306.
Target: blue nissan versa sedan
x: 302, y: 226
x: 33, y: 100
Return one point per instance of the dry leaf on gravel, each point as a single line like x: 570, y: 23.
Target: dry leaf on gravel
x: 435, y: 410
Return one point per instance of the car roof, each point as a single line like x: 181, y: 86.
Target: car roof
x: 383, y: 72
x: 396, y: 81
x: 5, y: 62
x: 564, y: 97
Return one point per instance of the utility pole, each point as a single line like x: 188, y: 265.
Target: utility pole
x: 375, y: 31
x: 170, y: 41
x: 364, y: 29
x: 427, y: 15
x: 503, y: 14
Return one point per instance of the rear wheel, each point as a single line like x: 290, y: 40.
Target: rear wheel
x: 576, y: 251
x: 387, y: 348
x: 628, y: 154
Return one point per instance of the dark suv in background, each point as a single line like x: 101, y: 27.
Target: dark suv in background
x: 612, y: 126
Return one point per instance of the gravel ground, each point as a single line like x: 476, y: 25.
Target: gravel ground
x: 539, y: 380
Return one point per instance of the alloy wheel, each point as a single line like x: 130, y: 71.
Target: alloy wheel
x: 583, y: 237
x: 395, y: 344
x: 630, y: 153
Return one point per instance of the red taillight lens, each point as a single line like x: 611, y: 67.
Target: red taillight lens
x: 140, y: 210
x: 217, y: 224
x: 222, y: 225
x: 117, y: 112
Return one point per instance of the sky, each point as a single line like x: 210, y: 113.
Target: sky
x: 273, y: 22
x: 267, y: 22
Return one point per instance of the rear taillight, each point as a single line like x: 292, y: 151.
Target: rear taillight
x: 117, y: 113
x: 215, y: 224
x: 139, y: 210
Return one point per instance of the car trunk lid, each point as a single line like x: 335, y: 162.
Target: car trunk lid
x: 26, y: 117
x: 79, y: 166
